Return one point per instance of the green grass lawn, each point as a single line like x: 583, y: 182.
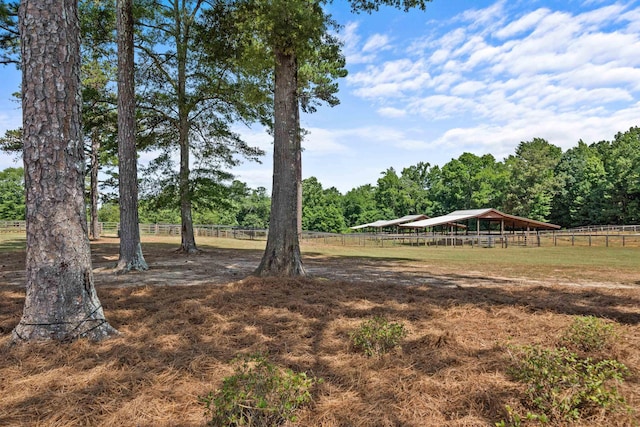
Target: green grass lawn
x: 564, y: 263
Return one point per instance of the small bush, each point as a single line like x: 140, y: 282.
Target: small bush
x: 258, y: 394
x: 562, y: 386
x: 516, y: 420
x: 588, y: 334
x: 377, y: 336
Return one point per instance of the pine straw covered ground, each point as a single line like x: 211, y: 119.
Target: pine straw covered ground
x: 177, y: 342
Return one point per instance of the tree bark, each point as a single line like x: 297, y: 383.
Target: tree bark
x: 61, y: 302
x: 282, y: 254
x: 94, y: 226
x: 188, y: 245
x: 130, y: 248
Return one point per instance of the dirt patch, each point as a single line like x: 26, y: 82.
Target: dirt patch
x: 177, y: 341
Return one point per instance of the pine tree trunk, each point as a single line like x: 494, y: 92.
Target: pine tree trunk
x: 282, y: 254
x: 94, y: 226
x: 188, y: 245
x: 130, y: 248
x: 61, y: 302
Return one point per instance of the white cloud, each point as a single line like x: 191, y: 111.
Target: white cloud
x: 256, y: 136
x: 352, y: 50
x: 323, y: 142
x: 523, y: 24
x: 256, y: 176
x: 632, y: 17
x: 485, y: 19
x: 469, y: 87
x: 439, y: 107
x: 392, y: 112
x: 376, y: 43
x: 391, y: 80
x: 514, y: 74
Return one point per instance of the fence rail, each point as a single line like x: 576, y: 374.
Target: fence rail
x: 597, y: 236
x: 600, y: 229
x: 473, y: 240
x: 13, y: 227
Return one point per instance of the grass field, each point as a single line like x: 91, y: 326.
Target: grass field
x: 565, y: 263
x: 452, y: 369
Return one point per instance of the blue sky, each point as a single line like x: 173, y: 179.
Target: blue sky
x: 462, y: 76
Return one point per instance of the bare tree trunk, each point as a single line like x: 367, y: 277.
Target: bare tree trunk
x: 94, y: 226
x: 188, y: 245
x: 130, y: 248
x: 282, y: 254
x: 61, y: 302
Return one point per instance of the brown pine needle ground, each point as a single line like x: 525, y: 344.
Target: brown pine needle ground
x: 177, y: 342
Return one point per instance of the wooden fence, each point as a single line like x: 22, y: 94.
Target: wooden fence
x: 595, y: 236
x: 569, y: 238
x: 13, y: 227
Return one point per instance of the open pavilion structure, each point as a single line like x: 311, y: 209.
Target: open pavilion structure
x: 481, y: 227
x: 492, y: 218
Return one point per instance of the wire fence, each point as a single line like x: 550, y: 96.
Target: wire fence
x: 589, y: 236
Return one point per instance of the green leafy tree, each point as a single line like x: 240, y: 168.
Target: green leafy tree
x: 582, y: 179
x: 532, y: 181
x: 306, y: 61
x: 621, y: 195
x: 109, y: 212
x: 99, y: 117
x: 11, y: 142
x: 194, y: 87
x: 469, y: 182
x: 12, y: 203
x: 392, y: 196
x: 9, y: 35
x: 397, y: 196
x: 416, y: 180
x: 359, y: 206
x: 253, y: 205
x: 321, y: 209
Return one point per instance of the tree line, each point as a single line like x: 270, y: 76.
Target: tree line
x: 589, y: 184
x: 597, y: 183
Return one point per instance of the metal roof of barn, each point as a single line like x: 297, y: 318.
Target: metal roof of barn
x: 489, y: 213
x: 391, y: 222
x: 371, y: 224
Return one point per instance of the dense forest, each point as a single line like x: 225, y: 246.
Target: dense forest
x: 597, y: 183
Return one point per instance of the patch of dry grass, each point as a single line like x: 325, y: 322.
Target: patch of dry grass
x: 177, y: 342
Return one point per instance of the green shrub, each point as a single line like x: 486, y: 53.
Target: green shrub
x: 563, y: 386
x: 516, y: 420
x: 258, y: 394
x: 588, y: 334
x: 377, y: 336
